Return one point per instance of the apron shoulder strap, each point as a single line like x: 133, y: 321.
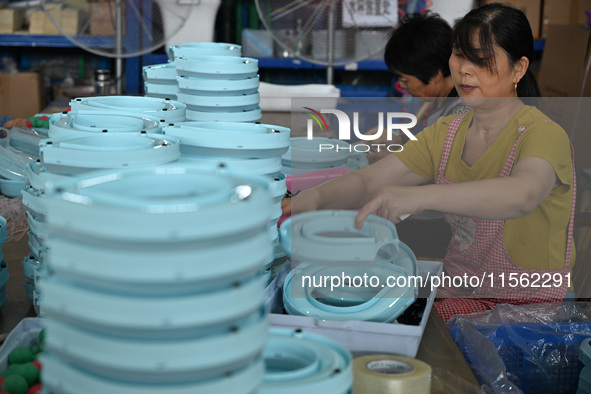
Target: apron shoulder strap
x: 451, y: 132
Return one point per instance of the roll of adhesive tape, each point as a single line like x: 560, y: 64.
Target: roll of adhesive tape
x: 386, y: 373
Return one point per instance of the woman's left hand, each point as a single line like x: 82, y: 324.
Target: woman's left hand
x: 392, y: 202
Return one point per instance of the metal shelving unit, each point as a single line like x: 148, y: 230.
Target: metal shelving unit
x: 278, y: 64
x: 34, y: 40
x: 57, y: 41
x: 295, y: 63
x: 133, y: 65
x: 288, y: 63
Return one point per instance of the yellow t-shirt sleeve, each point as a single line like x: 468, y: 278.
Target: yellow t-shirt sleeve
x: 424, y: 155
x: 550, y: 142
x: 537, y: 241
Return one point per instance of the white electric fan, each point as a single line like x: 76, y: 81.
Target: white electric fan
x: 331, y: 32
x: 119, y: 28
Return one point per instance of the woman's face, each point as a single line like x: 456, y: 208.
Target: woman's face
x: 473, y: 81
x: 418, y: 88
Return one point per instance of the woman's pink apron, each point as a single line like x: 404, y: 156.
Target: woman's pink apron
x: 477, y: 250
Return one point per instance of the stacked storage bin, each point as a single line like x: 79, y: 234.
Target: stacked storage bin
x: 154, y: 282
x: 160, y: 80
x: 3, y: 265
x: 253, y: 148
x: 216, y: 83
x: 84, y: 141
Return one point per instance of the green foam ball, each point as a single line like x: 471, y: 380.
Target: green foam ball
x: 15, y: 384
x: 36, y: 349
x: 20, y: 355
x: 30, y: 372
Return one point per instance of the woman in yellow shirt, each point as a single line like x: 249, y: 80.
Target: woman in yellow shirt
x: 504, y: 175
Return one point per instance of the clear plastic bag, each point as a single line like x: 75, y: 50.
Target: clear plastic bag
x: 26, y: 333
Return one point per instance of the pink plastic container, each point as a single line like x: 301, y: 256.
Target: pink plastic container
x: 297, y: 183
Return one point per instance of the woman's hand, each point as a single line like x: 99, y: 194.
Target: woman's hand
x: 510, y: 197
x: 304, y: 201
x: 286, y: 206
x: 392, y: 202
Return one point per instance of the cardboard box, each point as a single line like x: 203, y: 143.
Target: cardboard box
x: 561, y: 76
x: 69, y: 20
x: 11, y: 20
x: 564, y: 12
x: 565, y: 57
x: 41, y: 24
x: 102, y: 14
x: 21, y: 94
x: 573, y: 114
x: 532, y: 10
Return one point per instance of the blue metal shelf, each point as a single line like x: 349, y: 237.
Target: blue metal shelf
x: 286, y: 63
x: 152, y: 58
x: 295, y: 63
x: 33, y: 40
x: 539, y: 45
x: 370, y: 64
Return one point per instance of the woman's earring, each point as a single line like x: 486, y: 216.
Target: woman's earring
x: 515, y: 88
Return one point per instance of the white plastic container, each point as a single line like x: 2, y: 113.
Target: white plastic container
x: 359, y: 336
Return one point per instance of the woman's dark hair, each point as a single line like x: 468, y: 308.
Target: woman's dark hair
x: 420, y: 46
x: 505, y: 26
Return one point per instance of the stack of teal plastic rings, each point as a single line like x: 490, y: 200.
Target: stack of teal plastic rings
x: 231, y: 139
x: 81, y: 143
x: 154, y: 281
x: 26, y: 139
x: 160, y: 81
x: 89, y: 122
x: 216, y: 82
x: 81, y: 153
x: 3, y: 265
x: 198, y: 49
x: 317, y: 153
x: 256, y: 148
x: 301, y: 362
x: 13, y: 163
x: 370, y: 272
x: 164, y: 110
